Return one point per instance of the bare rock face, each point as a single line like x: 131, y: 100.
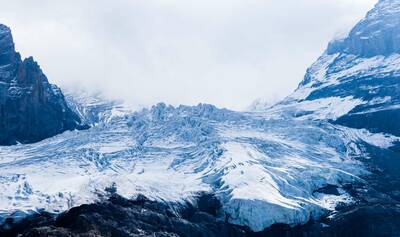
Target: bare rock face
x: 377, y: 34
x: 31, y: 109
x: 362, y: 69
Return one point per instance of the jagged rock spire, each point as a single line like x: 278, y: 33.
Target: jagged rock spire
x: 7, y: 50
x: 31, y: 109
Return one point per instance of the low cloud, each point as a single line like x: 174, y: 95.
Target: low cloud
x: 227, y: 53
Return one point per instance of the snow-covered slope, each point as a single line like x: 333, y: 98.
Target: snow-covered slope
x: 262, y: 172
x: 94, y: 108
x: 356, y: 82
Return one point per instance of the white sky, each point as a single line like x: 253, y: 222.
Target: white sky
x: 227, y: 53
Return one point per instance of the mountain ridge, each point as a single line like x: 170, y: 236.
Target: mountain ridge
x: 360, y: 73
x: 31, y: 109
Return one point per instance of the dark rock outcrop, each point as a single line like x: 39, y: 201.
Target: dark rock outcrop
x: 141, y: 217
x: 31, y: 109
x: 120, y: 217
x: 363, y: 221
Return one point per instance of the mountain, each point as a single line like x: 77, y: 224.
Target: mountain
x: 359, y: 75
x: 31, y: 109
x: 323, y: 162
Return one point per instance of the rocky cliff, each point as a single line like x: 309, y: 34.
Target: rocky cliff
x: 31, y: 109
x: 356, y: 82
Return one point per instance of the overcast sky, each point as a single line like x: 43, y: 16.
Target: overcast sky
x: 224, y: 52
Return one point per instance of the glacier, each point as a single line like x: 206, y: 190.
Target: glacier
x: 261, y: 171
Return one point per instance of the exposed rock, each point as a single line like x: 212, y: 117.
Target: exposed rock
x: 363, y: 221
x: 377, y: 34
x: 142, y: 217
x: 31, y: 109
x: 121, y: 217
x: 358, y: 77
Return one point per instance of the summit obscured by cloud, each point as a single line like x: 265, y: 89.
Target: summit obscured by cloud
x: 227, y: 53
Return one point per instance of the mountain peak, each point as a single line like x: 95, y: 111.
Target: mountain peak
x: 4, y: 29
x: 377, y: 34
x: 355, y: 83
x: 31, y: 109
x: 7, y: 49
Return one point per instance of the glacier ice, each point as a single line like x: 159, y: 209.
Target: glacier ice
x: 262, y: 172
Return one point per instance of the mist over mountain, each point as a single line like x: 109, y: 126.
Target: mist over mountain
x: 360, y: 74
x: 225, y: 53
x: 324, y: 161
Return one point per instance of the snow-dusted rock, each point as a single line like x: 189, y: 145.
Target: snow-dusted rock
x: 356, y: 82
x: 377, y: 34
x: 31, y: 108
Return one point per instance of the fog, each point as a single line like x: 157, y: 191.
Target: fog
x: 227, y: 53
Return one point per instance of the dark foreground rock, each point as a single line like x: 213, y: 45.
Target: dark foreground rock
x: 121, y: 217
x: 142, y: 217
x: 365, y: 221
x: 31, y: 109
